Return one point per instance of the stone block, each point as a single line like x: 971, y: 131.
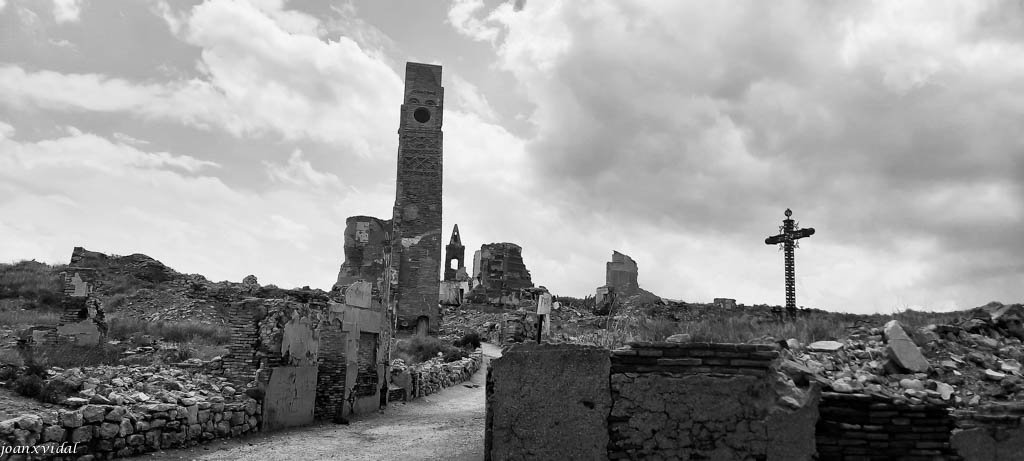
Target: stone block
x: 902, y: 349
x: 528, y: 412
x: 93, y: 413
x: 81, y: 434
x: 54, y: 434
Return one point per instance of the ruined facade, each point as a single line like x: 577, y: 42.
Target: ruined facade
x: 455, y: 258
x: 401, y: 257
x: 417, y: 212
x: 456, y: 280
x: 367, y: 240
x: 621, y: 274
x: 311, y: 358
x: 499, y: 273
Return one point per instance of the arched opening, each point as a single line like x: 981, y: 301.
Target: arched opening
x: 422, y: 325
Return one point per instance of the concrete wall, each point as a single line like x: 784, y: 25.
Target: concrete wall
x: 548, y: 402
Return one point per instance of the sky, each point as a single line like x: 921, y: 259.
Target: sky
x: 234, y: 137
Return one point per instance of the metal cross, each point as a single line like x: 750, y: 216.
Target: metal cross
x: 789, y: 232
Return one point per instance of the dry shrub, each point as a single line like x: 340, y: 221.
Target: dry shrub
x: 418, y: 349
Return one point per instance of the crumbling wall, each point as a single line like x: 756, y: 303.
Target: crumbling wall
x: 859, y: 426
x: 647, y: 401
x: 706, y: 401
x: 499, y: 273
x: 548, y: 402
x: 621, y: 272
x: 83, y: 321
x: 991, y: 432
x: 365, y: 241
x: 315, y: 347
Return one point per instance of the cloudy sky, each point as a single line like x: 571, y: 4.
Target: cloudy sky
x: 234, y: 137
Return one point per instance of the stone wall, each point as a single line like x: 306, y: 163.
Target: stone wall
x: 706, y: 401
x: 499, y: 272
x: 858, y: 426
x: 548, y: 402
x: 989, y: 433
x: 365, y: 240
x: 647, y: 401
x: 434, y: 375
x: 621, y: 273
x: 346, y: 344
x: 105, y: 431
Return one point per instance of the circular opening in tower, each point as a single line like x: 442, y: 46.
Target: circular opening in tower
x: 421, y: 115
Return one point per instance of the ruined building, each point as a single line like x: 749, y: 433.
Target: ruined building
x: 456, y: 280
x: 401, y: 257
x: 366, y: 245
x: 417, y: 213
x: 499, y: 273
x: 621, y: 280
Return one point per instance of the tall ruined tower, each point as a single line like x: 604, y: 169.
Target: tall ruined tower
x: 417, y: 212
x: 454, y: 251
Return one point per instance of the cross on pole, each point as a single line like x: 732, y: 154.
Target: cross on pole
x: 789, y: 233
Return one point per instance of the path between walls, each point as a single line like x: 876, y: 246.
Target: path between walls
x: 447, y: 425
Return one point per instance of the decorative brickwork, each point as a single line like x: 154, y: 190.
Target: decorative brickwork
x: 417, y: 211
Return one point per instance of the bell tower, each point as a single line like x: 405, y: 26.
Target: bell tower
x: 417, y: 211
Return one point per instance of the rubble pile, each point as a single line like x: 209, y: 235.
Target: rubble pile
x: 965, y: 364
x: 130, y: 385
x: 123, y: 411
x: 436, y: 374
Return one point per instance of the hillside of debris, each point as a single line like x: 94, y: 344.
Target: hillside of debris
x: 136, y: 287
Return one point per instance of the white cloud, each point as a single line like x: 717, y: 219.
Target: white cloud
x: 85, y: 190
x: 126, y: 139
x: 3, y: 4
x: 67, y: 10
x: 465, y: 96
x: 300, y: 172
x: 696, y: 122
x: 264, y: 72
x: 461, y: 16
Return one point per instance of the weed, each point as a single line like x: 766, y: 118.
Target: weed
x: 28, y: 385
x: 73, y: 355
x: 419, y: 349
x: 469, y: 340
x: 180, y: 332
x: 28, y: 317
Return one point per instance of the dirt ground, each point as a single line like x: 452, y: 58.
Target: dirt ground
x: 447, y: 425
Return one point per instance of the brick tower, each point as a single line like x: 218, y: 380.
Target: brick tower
x: 454, y: 251
x: 417, y: 212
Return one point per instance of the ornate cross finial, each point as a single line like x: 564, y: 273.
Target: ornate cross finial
x: 788, y: 235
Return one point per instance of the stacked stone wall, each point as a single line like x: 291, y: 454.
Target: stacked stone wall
x: 858, y: 426
x: 705, y: 401
x: 989, y: 433
x: 434, y: 375
x: 108, y: 431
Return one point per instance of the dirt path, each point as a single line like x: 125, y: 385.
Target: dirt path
x: 447, y: 425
